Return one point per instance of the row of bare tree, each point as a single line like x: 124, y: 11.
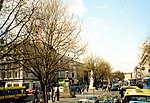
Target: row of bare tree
x: 39, y: 36
x: 102, y: 70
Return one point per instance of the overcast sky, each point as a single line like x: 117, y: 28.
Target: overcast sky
x: 114, y: 29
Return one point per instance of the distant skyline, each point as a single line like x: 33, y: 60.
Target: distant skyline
x: 114, y: 29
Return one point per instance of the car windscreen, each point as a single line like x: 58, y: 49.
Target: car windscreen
x: 137, y: 98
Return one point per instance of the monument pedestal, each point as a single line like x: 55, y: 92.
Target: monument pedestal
x: 66, y: 91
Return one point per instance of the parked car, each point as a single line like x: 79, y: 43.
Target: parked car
x: 33, y: 91
x: 115, y: 87
x: 92, y: 99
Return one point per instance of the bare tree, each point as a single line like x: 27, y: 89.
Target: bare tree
x: 118, y: 75
x: 13, y: 25
x: 102, y: 69
x: 53, y: 42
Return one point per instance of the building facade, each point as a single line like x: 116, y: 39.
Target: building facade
x: 145, y: 60
x: 127, y: 76
x: 18, y: 77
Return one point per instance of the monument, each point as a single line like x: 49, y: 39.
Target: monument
x: 91, y: 81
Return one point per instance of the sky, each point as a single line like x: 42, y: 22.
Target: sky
x: 114, y: 29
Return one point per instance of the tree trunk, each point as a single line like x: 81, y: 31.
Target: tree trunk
x: 44, y: 89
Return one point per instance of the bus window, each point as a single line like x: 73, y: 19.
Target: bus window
x: 16, y: 84
x: 1, y: 92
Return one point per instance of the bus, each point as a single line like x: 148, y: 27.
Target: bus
x: 14, y: 93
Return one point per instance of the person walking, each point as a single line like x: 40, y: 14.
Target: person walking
x: 35, y: 100
x: 87, y: 88
x: 117, y: 100
x: 121, y: 93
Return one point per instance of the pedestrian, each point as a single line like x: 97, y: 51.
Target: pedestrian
x: 57, y: 93
x: 79, y: 89
x: 117, y: 100
x: 109, y: 87
x: 104, y: 87
x: 83, y: 90
x: 87, y: 88
x: 121, y: 93
x: 54, y: 94
x: 35, y: 100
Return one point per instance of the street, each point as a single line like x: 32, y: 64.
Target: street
x: 99, y: 92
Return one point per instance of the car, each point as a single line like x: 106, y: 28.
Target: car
x: 92, y: 99
x: 75, y: 88
x: 138, y: 102
x: 136, y: 96
x: 124, y: 88
x: 83, y: 101
x: 33, y: 91
x: 114, y: 87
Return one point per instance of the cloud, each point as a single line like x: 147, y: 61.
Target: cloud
x: 77, y: 7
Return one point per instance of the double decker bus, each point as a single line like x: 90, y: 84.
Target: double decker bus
x: 11, y: 94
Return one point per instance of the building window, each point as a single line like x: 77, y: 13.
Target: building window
x: 26, y: 74
x: 3, y: 75
x: 72, y: 81
x: 9, y: 74
x: 149, y: 70
x: 16, y: 74
x: 72, y: 74
x: 61, y: 74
